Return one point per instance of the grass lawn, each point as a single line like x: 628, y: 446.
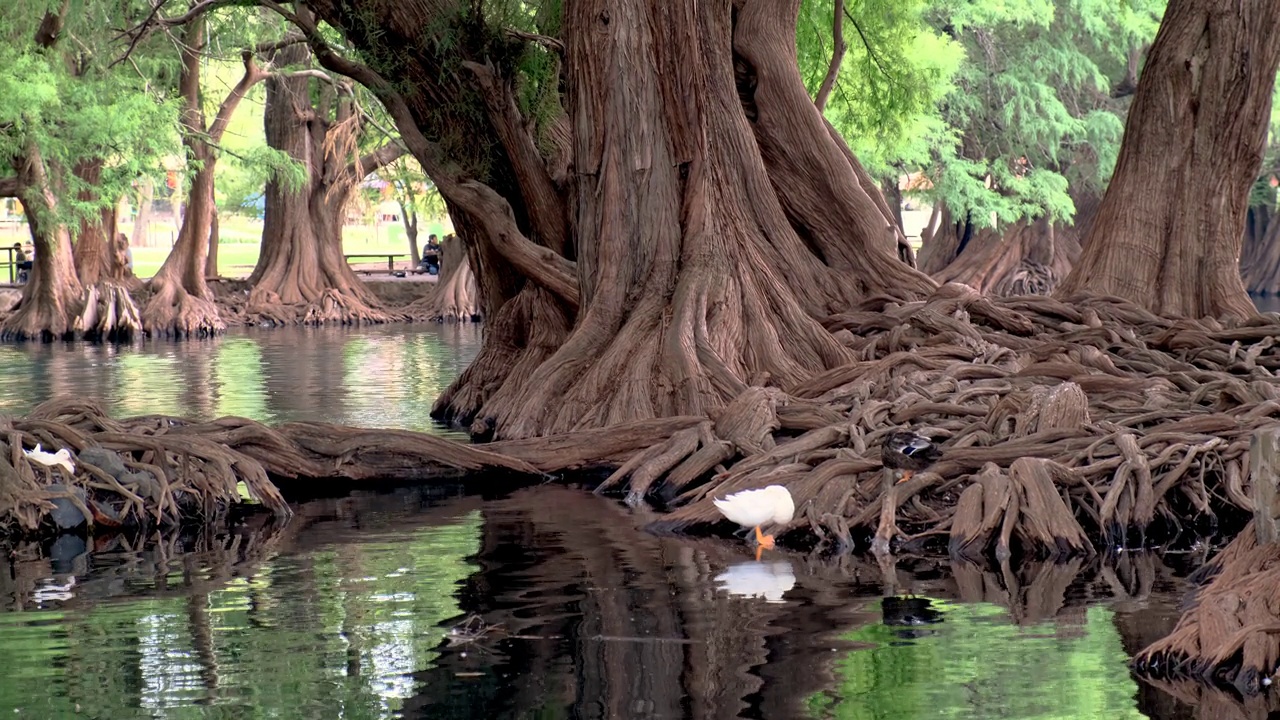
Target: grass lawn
x: 238, y: 251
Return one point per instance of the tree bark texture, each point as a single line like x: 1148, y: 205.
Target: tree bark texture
x: 708, y: 220
x: 51, y: 299
x: 1168, y: 232
x: 301, y: 275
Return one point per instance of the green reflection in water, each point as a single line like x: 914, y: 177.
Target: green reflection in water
x: 14, y: 365
x: 238, y: 370
x: 148, y: 383
x: 333, y: 633
x: 976, y: 665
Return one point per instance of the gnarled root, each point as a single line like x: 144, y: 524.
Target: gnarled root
x: 109, y: 313
x: 455, y: 299
x: 333, y: 307
x: 1232, y: 633
x: 41, y: 316
x: 1064, y: 428
x: 173, y: 312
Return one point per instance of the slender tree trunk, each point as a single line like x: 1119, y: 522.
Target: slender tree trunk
x: 141, y: 236
x: 301, y: 275
x: 181, y: 303
x: 1168, y: 233
x: 211, y: 260
x: 411, y: 231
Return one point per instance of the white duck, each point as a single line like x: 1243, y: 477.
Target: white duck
x: 48, y: 459
x: 769, y: 581
x: 753, y: 508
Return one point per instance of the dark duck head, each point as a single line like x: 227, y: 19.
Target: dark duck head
x: 908, y: 453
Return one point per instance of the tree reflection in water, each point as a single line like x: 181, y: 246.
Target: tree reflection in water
x: 569, y: 610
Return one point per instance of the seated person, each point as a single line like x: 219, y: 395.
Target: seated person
x: 22, y: 263
x: 431, y: 256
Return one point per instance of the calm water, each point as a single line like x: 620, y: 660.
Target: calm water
x: 539, y: 603
x: 379, y: 376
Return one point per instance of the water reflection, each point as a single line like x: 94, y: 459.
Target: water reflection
x: 769, y: 580
x: 375, y: 376
x: 551, y: 602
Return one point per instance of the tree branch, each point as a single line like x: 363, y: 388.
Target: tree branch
x: 837, y: 57
x: 374, y: 160
x: 540, y: 264
x: 541, y: 197
x: 871, y: 52
x: 252, y: 76
x: 10, y: 187
x: 555, y: 45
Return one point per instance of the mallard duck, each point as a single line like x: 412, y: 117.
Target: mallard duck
x: 753, y: 508
x: 908, y: 453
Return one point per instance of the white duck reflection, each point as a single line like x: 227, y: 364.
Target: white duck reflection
x: 768, y: 580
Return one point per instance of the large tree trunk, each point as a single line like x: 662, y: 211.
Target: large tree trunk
x: 709, y: 229
x: 181, y: 303
x: 1168, y: 233
x: 108, y: 309
x: 301, y: 275
x: 52, y: 297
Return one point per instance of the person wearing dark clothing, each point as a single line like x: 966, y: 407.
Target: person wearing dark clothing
x: 22, y: 263
x: 431, y: 255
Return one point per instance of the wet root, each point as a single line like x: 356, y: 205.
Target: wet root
x: 172, y: 312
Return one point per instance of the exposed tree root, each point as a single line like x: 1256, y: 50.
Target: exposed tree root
x: 333, y: 307
x: 1231, y: 636
x: 109, y: 313
x: 173, y: 312
x: 158, y: 470
x: 39, y: 317
x: 455, y: 298
x: 1062, y: 423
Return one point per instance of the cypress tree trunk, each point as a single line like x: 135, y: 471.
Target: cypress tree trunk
x: 689, y: 248
x: 181, y: 303
x: 1168, y: 233
x: 301, y: 275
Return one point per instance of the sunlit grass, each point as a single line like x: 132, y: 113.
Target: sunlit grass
x: 241, y: 237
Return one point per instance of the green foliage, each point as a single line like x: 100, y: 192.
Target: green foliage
x: 895, y: 71
x: 411, y: 187
x: 66, y: 104
x: 1005, y: 107
x: 1032, y: 103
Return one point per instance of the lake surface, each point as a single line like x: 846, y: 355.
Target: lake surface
x: 545, y: 602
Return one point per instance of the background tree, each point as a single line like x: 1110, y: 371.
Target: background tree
x: 1168, y: 232
x: 301, y: 275
x: 1260, y: 252
x: 181, y: 302
x: 75, y: 135
x: 417, y: 197
x: 1037, y: 115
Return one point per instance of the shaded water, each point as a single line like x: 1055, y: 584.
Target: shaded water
x: 546, y: 602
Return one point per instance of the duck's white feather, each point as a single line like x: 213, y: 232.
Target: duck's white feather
x: 61, y: 458
x: 750, y: 508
